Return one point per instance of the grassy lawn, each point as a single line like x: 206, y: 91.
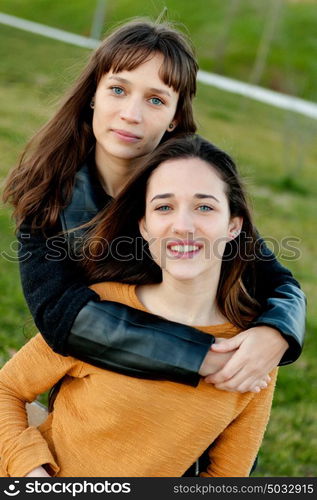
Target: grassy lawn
x: 276, y: 151
x: 291, y: 62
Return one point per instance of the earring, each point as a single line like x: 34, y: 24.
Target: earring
x: 92, y: 103
x: 171, y: 126
x: 234, y: 234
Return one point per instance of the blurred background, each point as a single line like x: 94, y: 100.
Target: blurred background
x: 271, y: 43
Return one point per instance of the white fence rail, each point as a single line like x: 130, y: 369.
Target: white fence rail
x: 261, y: 94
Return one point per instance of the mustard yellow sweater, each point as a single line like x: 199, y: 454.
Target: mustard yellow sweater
x: 108, y: 424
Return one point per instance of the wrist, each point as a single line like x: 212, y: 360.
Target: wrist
x: 277, y: 337
x: 213, y: 362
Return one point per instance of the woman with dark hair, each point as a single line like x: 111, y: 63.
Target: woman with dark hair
x: 134, y: 93
x: 188, y: 209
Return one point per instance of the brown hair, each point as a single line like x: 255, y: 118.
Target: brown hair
x: 116, y: 231
x: 41, y: 185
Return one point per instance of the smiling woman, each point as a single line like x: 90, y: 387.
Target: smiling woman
x: 187, y: 235
x: 89, y: 416
x: 194, y: 221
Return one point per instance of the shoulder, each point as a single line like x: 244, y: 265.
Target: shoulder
x: 115, y: 292
x: 87, y: 199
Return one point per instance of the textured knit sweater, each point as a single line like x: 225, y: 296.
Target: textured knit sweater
x: 108, y: 424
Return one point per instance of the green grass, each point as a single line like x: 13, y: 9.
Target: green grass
x: 291, y: 64
x: 277, y: 154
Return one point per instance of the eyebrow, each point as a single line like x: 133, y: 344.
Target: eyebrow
x: 160, y: 91
x: 200, y: 196
x: 151, y: 89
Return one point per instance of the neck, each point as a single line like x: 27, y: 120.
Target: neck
x: 191, y: 302
x: 113, y: 173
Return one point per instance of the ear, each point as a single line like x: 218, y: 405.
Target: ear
x: 142, y: 229
x: 235, y: 226
x: 92, y: 102
x: 172, y: 125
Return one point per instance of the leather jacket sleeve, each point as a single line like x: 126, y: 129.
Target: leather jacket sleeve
x: 137, y: 343
x: 283, y: 302
x: 74, y: 322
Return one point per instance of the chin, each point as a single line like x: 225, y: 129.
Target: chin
x: 123, y: 153
x: 185, y: 276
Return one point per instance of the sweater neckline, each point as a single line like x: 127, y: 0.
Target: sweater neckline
x: 220, y: 328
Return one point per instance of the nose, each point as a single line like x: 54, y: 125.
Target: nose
x: 183, y: 224
x: 131, y: 110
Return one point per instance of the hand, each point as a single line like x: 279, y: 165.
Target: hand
x: 261, y: 384
x: 257, y: 351
x: 38, y: 472
x: 214, y: 361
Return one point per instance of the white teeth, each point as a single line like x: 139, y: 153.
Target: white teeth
x: 184, y: 248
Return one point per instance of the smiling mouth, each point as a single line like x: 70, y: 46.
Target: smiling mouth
x: 184, y: 251
x: 126, y: 136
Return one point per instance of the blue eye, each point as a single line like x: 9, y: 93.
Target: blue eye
x: 163, y: 208
x: 117, y: 90
x: 204, y: 208
x: 156, y: 101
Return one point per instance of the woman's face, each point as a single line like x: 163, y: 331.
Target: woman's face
x: 132, y: 111
x: 187, y: 221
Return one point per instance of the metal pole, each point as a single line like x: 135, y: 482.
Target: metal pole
x: 273, y: 16
x: 99, y: 20
x: 221, y: 44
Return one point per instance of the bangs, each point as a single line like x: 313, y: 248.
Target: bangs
x: 175, y: 71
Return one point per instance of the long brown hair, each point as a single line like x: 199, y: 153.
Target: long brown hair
x: 41, y: 185
x: 116, y: 251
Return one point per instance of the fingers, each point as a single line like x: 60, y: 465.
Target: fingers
x: 228, y: 345
x: 237, y: 364
x: 246, y: 370
x: 222, y: 376
x: 238, y: 377
x: 259, y: 387
x: 236, y: 384
x: 239, y: 383
x: 262, y: 384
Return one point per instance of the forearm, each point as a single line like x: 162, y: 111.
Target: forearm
x: 22, y: 447
x: 283, y: 302
x: 51, y: 284
x: 30, y: 372
x: 286, y: 313
x: 112, y: 336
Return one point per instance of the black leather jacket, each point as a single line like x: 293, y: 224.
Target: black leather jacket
x: 73, y: 320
